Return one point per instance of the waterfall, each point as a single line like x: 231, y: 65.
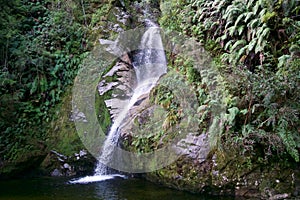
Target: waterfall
x: 150, y: 64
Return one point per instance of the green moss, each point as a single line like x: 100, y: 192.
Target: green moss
x: 102, y: 111
x: 62, y: 132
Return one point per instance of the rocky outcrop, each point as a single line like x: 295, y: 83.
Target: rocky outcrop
x: 202, y: 169
x: 25, y: 166
x: 228, y: 174
x: 57, y: 164
x: 121, y: 80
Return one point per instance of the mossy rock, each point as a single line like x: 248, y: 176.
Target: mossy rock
x: 62, y: 132
x: 25, y: 166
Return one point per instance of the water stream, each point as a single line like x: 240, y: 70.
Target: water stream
x: 150, y: 64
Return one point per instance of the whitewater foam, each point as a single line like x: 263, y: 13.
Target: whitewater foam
x: 95, y: 178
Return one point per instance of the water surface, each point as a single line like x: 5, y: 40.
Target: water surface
x: 112, y: 189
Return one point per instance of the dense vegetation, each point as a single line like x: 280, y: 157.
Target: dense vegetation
x: 255, y: 45
x: 42, y: 46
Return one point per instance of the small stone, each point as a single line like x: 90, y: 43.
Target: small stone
x: 67, y: 166
x: 56, y: 172
x: 279, y: 196
x: 82, y: 153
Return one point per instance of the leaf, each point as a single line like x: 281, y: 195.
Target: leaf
x: 282, y: 60
x: 244, y: 111
x: 294, y: 48
x: 262, y: 40
x: 258, y: 48
x: 248, y: 16
x: 259, y: 31
x: 241, y: 29
x: 266, y: 17
x: 255, y: 8
x: 252, y: 44
x: 238, y: 43
x: 250, y: 4
x: 241, y: 52
x: 231, y: 30
x: 266, y: 33
x: 202, y: 108
x: 239, y: 19
x: 262, y: 14
x: 221, y: 5
x: 254, y: 23
x: 43, y: 84
x: 34, y: 85
x: 232, y: 114
x: 223, y: 37
x: 228, y: 23
x: 226, y: 47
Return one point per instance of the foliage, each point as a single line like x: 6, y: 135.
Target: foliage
x: 42, y: 46
x: 251, y: 33
x: 273, y: 107
x: 256, y: 48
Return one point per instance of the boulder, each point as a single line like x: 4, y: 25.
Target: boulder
x: 56, y: 172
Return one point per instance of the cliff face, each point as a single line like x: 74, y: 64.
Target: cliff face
x: 229, y: 169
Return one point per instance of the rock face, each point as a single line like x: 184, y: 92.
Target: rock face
x: 26, y: 166
x: 202, y: 169
x: 223, y: 174
x: 57, y: 164
x: 122, y: 85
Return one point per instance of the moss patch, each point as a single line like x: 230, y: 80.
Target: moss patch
x: 62, y: 131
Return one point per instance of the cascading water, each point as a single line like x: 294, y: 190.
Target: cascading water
x: 149, y: 63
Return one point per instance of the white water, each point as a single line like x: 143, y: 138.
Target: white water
x: 149, y: 64
x: 95, y: 178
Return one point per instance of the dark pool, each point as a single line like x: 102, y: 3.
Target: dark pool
x: 113, y: 189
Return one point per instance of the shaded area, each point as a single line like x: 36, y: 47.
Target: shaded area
x: 118, y: 188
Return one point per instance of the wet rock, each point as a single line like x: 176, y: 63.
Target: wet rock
x: 67, y: 166
x: 28, y: 165
x: 60, y: 156
x: 80, y: 163
x: 195, y: 146
x: 77, y: 116
x: 56, y: 172
x: 122, y: 86
x: 103, y: 87
x: 279, y: 196
x: 82, y: 153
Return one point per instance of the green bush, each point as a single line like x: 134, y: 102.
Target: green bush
x: 42, y: 46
